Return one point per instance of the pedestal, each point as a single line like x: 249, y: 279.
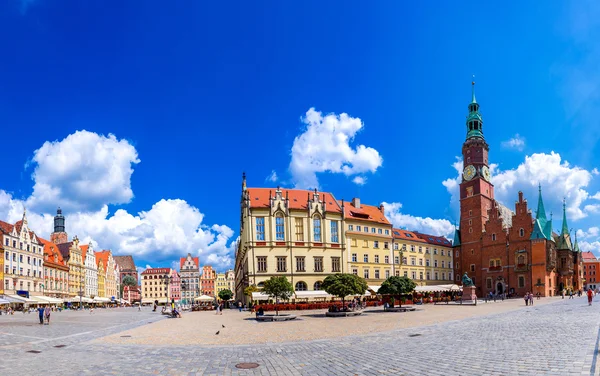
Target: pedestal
x: 469, y: 293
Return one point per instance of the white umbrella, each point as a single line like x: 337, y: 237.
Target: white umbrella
x: 204, y: 298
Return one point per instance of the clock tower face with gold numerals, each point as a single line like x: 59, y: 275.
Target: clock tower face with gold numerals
x: 469, y: 172
x: 485, y: 171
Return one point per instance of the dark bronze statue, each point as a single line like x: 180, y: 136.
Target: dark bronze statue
x: 466, y: 281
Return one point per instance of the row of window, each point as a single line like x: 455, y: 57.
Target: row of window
x: 299, y: 229
x: 366, y: 229
x: 29, y: 273
x: 30, y: 260
x: 54, y: 273
x: 413, y: 262
x: 386, y: 258
x: 281, y: 263
x: 29, y: 248
x: 436, y: 275
x: 21, y: 286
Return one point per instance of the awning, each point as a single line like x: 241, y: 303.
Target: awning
x: 77, y: 299
x: 374, y: 288
x: 312, y: 294
x: 39, y: 300
x: 19, y: 299
x: 151, y: 300
x: 3, y: 301
x: 204, y: 298
x: 47, y: 299
x: 99, y: 299
x: 260, y: 296
x: 437, y: 288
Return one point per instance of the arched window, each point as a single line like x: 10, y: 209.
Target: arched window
x: 279, y: 227
x: 521, y: 260
x: 260, y: 285
x: 317, y: 228
x: 301, y: 286
x: 317, y: 285
x: 521, y: 232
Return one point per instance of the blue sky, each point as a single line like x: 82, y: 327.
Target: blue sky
x: 139, y: 119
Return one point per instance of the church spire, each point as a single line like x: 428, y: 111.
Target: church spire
x: 474, y: 119
x: 564, y: 239
x: 541, y: 212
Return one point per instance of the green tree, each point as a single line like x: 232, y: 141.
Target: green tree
x: 128, y: 281
x: 278, y: 288
x: 343, y: 284
x: 249, y: 290
x: 225, y: 295
x: 397, y: 286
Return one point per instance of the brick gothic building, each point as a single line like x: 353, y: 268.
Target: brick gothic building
x: 507, y: 251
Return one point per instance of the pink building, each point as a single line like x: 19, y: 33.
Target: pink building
x: 175, y: 293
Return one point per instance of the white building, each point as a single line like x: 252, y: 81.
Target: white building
x: 91, y: 270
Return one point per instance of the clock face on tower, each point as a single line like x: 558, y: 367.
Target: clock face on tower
x: 485, y: 171
x: 469, y: 172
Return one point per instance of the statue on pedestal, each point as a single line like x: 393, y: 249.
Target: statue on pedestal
x: 466, y: 281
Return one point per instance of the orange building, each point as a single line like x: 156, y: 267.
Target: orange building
x: 591, y: 267
x: 207, y: 280
x: 56, y: 271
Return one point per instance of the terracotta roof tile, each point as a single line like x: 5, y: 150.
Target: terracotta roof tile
x: 157, y: 271
x: 367, y: 213
x: 6, y: 227
x: 588, y: 256
x: 407, y: 235
x: 51, y: 249
x: 64, y: 250
x: 102, y: 255
x: 435, y: 240
x: 298, y: 198
x: 125, y: 262
x: 84, y: 249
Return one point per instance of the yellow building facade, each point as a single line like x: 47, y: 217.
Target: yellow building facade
x: 1, y: 266
x: 287, y: 232
x: 101, y: 278
x: 369, y: 243
x: 220, y: 284
x: 427, y: 259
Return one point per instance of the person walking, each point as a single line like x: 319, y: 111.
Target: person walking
x: 240, y: 306
x: 218, y: 308
x: 570, y: 294
x: 590, y: 295
x: 47, y: 315
x: 530, y: 298
x: 221, y: 306
x: 526, y: 298
x: 41, y: 315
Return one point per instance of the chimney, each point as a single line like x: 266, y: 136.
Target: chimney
x: 356, y: 202
x: 381, y: 208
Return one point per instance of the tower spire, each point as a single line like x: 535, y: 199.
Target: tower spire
x: 541, y: 212
x: 564, y: 239
x: 474, y: 119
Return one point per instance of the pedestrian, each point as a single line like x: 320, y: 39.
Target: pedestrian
x: 590, y: 295
x: 221, y: 306
x: 218, y: 308
x: 139, y: 307
x: 47, y: 315
x: 41, y: 315
x: 538, y: 296
x: 526, y: 297
x: 530, y: 298
x: 563, y: 293
x: 240, y: 306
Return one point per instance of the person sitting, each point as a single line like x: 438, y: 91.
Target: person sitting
x: 176, y: 313
x: 260, y: 312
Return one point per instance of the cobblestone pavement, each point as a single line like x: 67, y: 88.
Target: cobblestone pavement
x: 560, y: 338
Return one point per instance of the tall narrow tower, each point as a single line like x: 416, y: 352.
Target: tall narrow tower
x: 476, y: 189
x: 59, y: 235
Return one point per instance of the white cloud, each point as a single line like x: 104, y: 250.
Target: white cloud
x: 517, y: 143
x: 324, y: 146
x: 82, y: 172
x: 170, y: 229
x: 272, y: 177
x: 452, y: 186
x: 439, y: 227
x: 593, y: 231
x: 590, y: 247
x: 595, y: 171
x: 359, y: 180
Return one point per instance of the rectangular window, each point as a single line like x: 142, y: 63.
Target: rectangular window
x: 281, y: 264
x: 443, y: 264
x: 387, y: 232
x: 365, y: 258
x: 488, y: 283
x: 299, y: 229
x: 386, y: 245
x: 421, y: 275
x: 366, y: 229
x: 365, y: 243
x: 435, y: 251
x: 300, y: 264
x: 428, y: 276
x: 387, y: 274
x: 398, y: 273
x: 376, y: 273
x: 521, y: 281
x: 435, y: 264
x: 413, y: 261
x: 335, y: 264
x: 396, y: 259
x: 377, y: 259
x: 436, y: 275
x: 386, y: 259
x: 420, y: 249
x: 372, y: 230
x: 357, y: 228
x: 444, y: 276
x: 355, y: 271
x: 318, y: 264
x: 375, y: 244
x: 317, y: 229
x: 472, y: 267
x: 260, y: 228
x: 366, y: 273
x: 395, y: 246
x: 334, y: 231
x: 421, y: 262
x: 354, y: 243
x: 427, y: 262
x: 412, y: 248
x: 350, y: 228
x: 354, y: 258
x: 380, y: 231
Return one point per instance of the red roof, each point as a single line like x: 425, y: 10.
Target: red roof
x: 365, y: 213
x: 6, y: 227
x: 435, y: 240
x: 407, y: 235
x: 157, y: 271
x: 588, y: 256
x: 84, y: 249
x: 102, y: 256
x: 183, y: 259
x: 50, y: 249
x: 298, y: 198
